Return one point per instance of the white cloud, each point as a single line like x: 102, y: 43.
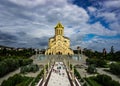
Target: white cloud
x: 92, y: 9
x: 37, y: 19
x: 108, y: 16
x: 115, y: 26
x: 112, y: 3
x: 30, y: 3
x: 108, y: 13
x: 98, y: 44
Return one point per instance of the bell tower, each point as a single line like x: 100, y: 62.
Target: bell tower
x: 59, y: 29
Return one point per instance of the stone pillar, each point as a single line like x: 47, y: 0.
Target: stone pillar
x: 53, y: 60
x: 60, y: 32
x: 69, y: 65
x: 44, y: 73
x: 73, y: 73
x: 48, y: 66
x: 64, y: 62
x: 50, y: 62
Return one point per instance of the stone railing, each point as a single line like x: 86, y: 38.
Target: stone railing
x: 47, y: 79
x: 41, y: 82
x: 77, y: 82
x: 68, y: 74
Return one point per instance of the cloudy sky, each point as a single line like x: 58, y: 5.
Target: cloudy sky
x: 93, y: 24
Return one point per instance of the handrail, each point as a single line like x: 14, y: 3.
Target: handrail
x: 47, y: 80
x: 77, y: 82
x: 70, y: 80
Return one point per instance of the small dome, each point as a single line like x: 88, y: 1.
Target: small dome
x: 59, y: 25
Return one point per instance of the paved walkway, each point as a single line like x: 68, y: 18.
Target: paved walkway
x: 58, y: 76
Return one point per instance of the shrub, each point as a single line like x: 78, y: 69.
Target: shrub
x: 91, y: 69
x: 77, y: 74
x: 10, y: 64
x: 24, y: 62
x: 85, y: 84
x: 16, y: 80
x: 115, y: 68
x: 82, y: 80
x: 29, y: 68
x: 96, y: 62
x: 105, y: 80
x: 92, y: 82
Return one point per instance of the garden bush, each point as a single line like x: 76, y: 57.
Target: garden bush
x: 16, y: 80
x: 29, y: 68
x: 115, y: 68
x: 9, y: 65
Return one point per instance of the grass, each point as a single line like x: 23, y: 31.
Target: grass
x: 26, y: 82
x: 91, y: 82
x: 17, y: 80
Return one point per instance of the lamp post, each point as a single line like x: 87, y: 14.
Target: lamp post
x: 78, y: 48
x: 36, y: 53
x: 81, y: 53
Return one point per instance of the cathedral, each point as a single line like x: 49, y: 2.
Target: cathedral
x: 59, y: 44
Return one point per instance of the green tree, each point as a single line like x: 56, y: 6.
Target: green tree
x: 104, y: 52
x: 112, y: 50
x: 91, y: 69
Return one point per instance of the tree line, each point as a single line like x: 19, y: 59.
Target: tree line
x: 16, y: 52
x: 112, y: 55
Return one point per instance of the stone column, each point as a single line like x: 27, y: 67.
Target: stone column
x: 64, y: 62
x: 69, y: 65
x: 53, y: 60
x: 73, y: 73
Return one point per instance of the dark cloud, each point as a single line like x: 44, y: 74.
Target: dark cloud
x: 21, y: 33
x: 43, y: 41
x: 7, y: 36
x: 8, y: 39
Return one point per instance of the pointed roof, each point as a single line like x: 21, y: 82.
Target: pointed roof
x: 59, y: 25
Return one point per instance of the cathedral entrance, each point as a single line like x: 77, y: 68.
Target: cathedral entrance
x: 59, y: 53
